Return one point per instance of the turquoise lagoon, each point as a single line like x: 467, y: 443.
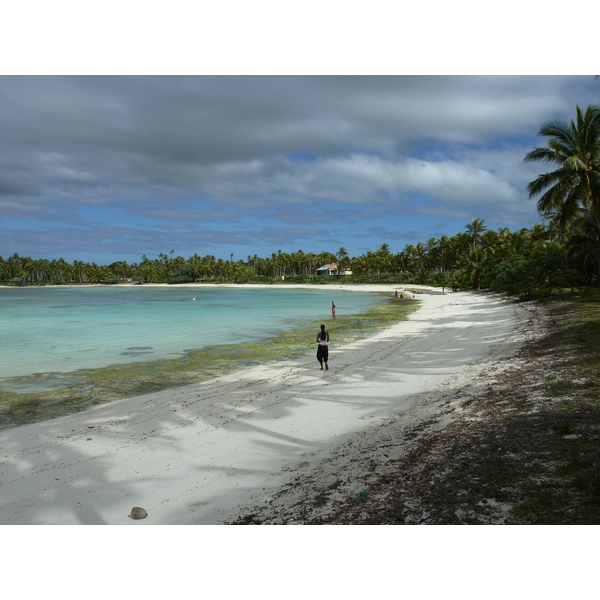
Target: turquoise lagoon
x: 63, y: 330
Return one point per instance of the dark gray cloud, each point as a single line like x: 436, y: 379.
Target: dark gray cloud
x: 165, y: 153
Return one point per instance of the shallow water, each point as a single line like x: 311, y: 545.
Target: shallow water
x: 63, y: 330
x: 35, y: 397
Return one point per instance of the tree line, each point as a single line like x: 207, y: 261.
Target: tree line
x: 562, y: 250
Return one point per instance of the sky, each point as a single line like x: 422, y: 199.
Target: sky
x: 101, y: 165
x: 106, y: 168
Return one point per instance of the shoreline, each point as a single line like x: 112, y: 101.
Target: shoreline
x: 39, y: 396
x: 358, y: 287
x: 204, y: 453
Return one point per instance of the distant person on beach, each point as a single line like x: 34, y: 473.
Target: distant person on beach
x: 323, y: 348
x: 396, y: 294
x: 332, y: 310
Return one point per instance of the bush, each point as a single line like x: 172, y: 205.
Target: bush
x: 181, y: 275
x: 302, y: 278
x: 528, y: 278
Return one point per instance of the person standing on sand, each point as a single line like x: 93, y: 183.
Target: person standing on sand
x: 323, y: 348
x: 332, y: 310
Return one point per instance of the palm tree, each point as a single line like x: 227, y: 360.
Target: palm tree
x: 78, y: 267
x: 343, y: 260
x: 517, y: 242
x: 410, y: 261
x: 422, y: 260
x: 383, y: 249
x: 475, y: 264
x: 3, y: 269
x: 447, y: 259
x: 341, y: 253
x: 401, y: 262
x: 432, y: 249
x: 539, y: 232
x: 583, y: 245
x: 359, y: 265
x: 573, y: 188
x: 462, y: 243
x: 14, y: 264
x: 476, y: 227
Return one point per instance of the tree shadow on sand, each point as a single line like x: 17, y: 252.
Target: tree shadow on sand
x: 52, y: 473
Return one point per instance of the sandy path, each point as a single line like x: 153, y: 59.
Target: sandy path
x: 199, y: 454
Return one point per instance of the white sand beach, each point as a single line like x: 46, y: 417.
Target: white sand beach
x: 205, y: 453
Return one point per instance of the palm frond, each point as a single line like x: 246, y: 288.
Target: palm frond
x: 558, y: 129
x: 543, y: 155
x: 563, y: 181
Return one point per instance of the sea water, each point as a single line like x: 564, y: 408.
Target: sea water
x: 56, y: 329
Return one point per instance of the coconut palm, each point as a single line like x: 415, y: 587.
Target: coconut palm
x: 573, y: 188
x: 447, y: 255
x: 475, y: 264
x: 341, y: 254
x: 476, y: 227
x: 343, y: 260
x: 583, y: 245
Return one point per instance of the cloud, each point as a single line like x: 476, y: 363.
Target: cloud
x: 455, y: 183
x: 363, y: 179
x: 184, y: 131
x: 188, y: 155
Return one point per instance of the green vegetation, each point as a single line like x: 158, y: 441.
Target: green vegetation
x: 529, y: 263
x: 86, y: 388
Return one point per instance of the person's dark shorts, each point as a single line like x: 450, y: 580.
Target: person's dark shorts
x: 322, y: 353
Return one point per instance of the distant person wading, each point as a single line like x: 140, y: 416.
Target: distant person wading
x: 323, y: 349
